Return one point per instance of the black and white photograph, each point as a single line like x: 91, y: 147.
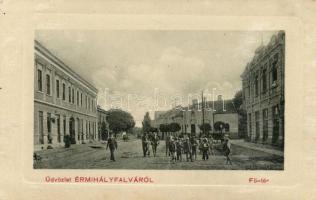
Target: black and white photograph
x: 159, y: 99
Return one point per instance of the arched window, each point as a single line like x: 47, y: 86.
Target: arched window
x: 48, y: 84
x: 219, y: 126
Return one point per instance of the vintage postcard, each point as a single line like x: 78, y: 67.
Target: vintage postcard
x: 159, y: 99
x: 135, y: 100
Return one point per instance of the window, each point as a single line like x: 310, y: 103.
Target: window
x: 69, y: 94
x: 89, y: 131
x: 276, y: 125
x: 257, y: 118
x: 57, y: 88
x: 265, y: 125
x: 48, y: 84
x: 86, y: 130
x: 257, y: 86
x: 41, y: 131
x: 77, y: 98
x: 49, y: 128
x: 64, y: 91
x: 264, y: 81
x: 64, y: 124
x: 58, y: 128
x: 250, y: 125
x: 86, y: 102
x: 39, y: 80
x: 274, y: 73
x: 73, y: 96
x: 193, y: 128
x: 81, y: 99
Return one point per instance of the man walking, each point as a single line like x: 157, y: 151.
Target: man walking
x: 145, y: 145
x: 167, y: 145
x: 227, y: 150
x: 172, y: 149
x: 112, y: 144
x: 205, y: 148
x: 211, y: 143
x: 179, y: 149
x: 187, y: 149
x: 194, y: 144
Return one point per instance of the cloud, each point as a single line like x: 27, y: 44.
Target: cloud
x: 140, y: 63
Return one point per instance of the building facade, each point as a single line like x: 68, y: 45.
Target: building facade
x: 64, y: 103
x: 191, y: 118
x: 103, y: 126
x: 263, y: 92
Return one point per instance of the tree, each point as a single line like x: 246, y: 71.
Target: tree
x: 237, y: 100
x: 104, y: 131
x: 146, y: 123
x: 164, y: 129
x: 137, y: 131
x: 174, y: 127
x: 153, y: 130
x: 206, y: 127
x: 242, y: 115
x: 120, y: 120
x: 219, y: 126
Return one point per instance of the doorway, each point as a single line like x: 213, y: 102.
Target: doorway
x: 72, y: 130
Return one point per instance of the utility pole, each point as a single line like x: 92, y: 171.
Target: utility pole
x: 203, y: 119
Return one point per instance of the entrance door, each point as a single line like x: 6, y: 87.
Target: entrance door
x: 275, y: 134
x: 193, y: 129
x: 78, y: 129
x: 58, y: 129
x: 257, y: 126
x: 49, y: 128
x: 72, y: 130
x: 40, y: 128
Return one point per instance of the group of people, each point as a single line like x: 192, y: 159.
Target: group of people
x: 176, y: 146
x: 189, y: 146
x: 148, y: 140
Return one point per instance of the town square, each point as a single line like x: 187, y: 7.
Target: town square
x: 161, y: 100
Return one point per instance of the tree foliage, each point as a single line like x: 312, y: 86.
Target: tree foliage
x: 174, y: 127
x: 238, y: 100
x: 153, y: 130
x: 218, y: 126
x: 242, y: 120
x: 120, y: 120
x: 146, y: 123
x: 104, y: 131
x: 163, y: 128
x: 207, y: 127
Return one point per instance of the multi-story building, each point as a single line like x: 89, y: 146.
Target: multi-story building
x: 191, y: 118
x: 103, y: 126
x: 263, y: 92
x: 64, y: 103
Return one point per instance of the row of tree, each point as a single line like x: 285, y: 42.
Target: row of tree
x: 119, y: 121
x: 174, y: 127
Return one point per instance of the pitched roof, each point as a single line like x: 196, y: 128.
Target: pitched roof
x: 219, y: 107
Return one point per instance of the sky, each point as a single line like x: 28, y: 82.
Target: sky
x: 148, y: 70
